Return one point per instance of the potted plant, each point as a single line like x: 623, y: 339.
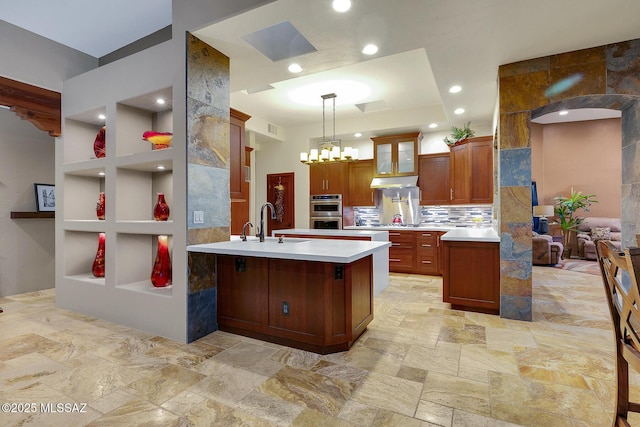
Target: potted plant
x: 459, y: 134
x: 565, y: 209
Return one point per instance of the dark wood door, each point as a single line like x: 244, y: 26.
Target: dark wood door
x: 281, y: 193
x: 481, y: 185
x: 434, y: 179
x: 459, y: 174
x: 360, y: 192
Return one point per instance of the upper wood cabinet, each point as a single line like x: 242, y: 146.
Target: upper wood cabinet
x: 396, y: 155
x: 328, y: 178
x: 237, y: 155
x: 471, y: 171
x: 360, y: 192
x: 433, y: 181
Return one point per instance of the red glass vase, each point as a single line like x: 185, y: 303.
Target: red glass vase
x: 161, y: 211
x: 99, y: 145
x: 98, y: 262
x: 100, y: 206
x: 161, y: 273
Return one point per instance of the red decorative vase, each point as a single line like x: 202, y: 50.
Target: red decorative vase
x: 98, y: 262
x: 161, y: 274
x: 99, y: 145
x: 100, y: 206
x: 161, y: 211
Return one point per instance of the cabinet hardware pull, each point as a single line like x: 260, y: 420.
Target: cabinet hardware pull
x: 426, y: 262
x: 451, y: 194
x: 426, y: 234
x: 424, y: 245
x: 394, y: 259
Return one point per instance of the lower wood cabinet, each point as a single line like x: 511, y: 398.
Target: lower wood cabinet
x: 315, y: 306
x: 471, y: 275
x: 427, y: 245
x: 402, y: 253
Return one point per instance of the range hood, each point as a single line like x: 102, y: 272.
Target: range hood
x: 395, y: 182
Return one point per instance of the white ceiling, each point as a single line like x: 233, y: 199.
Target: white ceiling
x: 425, y: 47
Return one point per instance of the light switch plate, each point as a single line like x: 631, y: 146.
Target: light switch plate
x: 198, y: 217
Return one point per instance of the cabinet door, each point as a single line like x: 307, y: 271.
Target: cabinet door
x: 406, y: 157
x: 336, y: 176
x: 360, y: 192
x: 471, y: 275
x: 317, y: 179
x: 433, y: 179
x: 384, y: 158
x: 481, y: 179
x: 459, y: 174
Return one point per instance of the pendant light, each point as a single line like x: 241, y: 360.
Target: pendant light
x: 329, y: 150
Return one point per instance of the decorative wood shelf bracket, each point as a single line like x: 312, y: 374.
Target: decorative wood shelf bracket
x: 32, y: 215
x: 39, y: 106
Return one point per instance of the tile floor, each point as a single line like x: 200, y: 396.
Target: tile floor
x: 419, y: 364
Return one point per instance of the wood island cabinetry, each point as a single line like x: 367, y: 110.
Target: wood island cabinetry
x: 316, y: 306
x: 402, y: 253
x: 471, y: 275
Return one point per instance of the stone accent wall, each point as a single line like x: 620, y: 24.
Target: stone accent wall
x: 208, y: 150
x: 609, y: 80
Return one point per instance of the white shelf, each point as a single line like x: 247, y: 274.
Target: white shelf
x: 145, y: 227
x: 147, y: 162
x: 86, y: 225
x: 146, y: 287
x: 86, y: 278
x: 90, y: 167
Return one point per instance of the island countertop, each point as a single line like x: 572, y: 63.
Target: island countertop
x: 346, y: 251
x: 472, y: 235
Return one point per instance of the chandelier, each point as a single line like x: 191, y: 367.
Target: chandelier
x: 329, y: 150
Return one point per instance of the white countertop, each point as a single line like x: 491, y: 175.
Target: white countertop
x: 472, y: 235
x: 400, y: 227
x: 347, y: 231
x: 323, y: 250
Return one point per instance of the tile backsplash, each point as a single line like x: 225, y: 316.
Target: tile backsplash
x: 431, y: 215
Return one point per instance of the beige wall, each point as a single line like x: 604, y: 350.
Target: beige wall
x: 583, y: 155
x: 27, y: 245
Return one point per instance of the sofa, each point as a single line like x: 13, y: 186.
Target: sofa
x: 593, y: 229
x: 545, y: 250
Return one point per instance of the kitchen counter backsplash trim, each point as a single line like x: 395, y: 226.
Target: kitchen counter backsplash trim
x: 460, y: 215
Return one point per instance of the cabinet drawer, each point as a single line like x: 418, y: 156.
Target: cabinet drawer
x: 406, y: 237
x: 427, y: 243
x: 427, y: 265
x: 401, y: 261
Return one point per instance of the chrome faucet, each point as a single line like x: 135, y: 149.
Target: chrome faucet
x: 243, y: 236
x: 273, y: 216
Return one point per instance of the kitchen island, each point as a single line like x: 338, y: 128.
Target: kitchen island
x: 380, y: 258
x: 311, y: 294
x: 471, y: 269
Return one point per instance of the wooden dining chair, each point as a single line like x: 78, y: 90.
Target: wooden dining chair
x: 623, y: 300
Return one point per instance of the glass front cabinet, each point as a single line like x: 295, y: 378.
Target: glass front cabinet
x: 396, y: 155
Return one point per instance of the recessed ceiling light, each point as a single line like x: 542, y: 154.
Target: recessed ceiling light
x: 459, y: 111
x: 370, y: 49
x: 160, y: 101
x: 102, y: 116
x: 101, y: 173
x: 455, y: 89
x: 341, y: 5
x: 357, y: 134
x: 563, y: 112
x: 160, y: 167
x: 433, y: 125
x: 295, y: 68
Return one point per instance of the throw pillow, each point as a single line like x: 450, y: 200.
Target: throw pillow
x: 600, y: 233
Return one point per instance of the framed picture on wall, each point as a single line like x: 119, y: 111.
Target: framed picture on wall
x: 45, y: 197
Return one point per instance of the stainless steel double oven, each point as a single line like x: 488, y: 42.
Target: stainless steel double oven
x: 325, y: 211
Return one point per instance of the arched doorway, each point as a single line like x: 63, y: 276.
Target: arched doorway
x: 607, y: 80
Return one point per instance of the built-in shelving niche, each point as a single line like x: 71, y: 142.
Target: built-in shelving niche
x: 134, y: 262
